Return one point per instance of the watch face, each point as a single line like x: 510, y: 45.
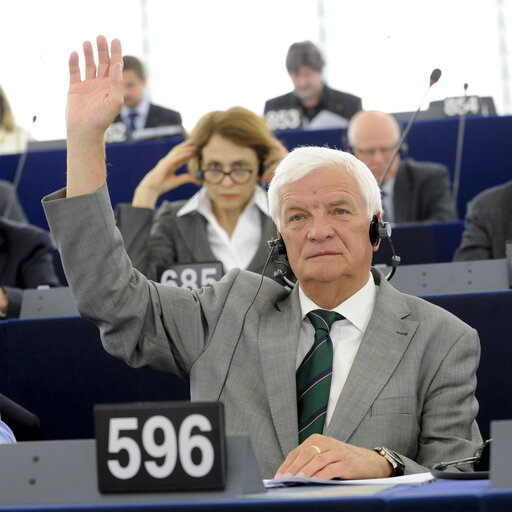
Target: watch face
x: 395, y: 461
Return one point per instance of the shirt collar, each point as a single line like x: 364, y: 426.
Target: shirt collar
x: 201, y: 203
x: 357, y: 309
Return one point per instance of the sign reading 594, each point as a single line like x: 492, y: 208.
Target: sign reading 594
x: 160, y: 446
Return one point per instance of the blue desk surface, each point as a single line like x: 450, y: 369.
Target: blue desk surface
x: 441, y: 496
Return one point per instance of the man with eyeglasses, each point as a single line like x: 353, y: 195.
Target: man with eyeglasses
x: 228, y: 153
x: 412, y: 191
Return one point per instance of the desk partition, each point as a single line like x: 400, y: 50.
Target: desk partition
x: 58, y: 369
x: 485, y: 160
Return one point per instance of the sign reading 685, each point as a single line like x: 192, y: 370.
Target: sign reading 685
x: 160, y: 446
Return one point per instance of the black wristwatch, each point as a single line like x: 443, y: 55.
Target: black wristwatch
x: 395, y: 461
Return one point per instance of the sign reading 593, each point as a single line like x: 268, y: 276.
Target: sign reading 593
x: 160, y: 446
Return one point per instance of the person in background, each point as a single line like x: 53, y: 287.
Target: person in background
x: 487, y: 225
x: 13, y: 138
x: 26, y: 261
x: 23, y: 425
x: 229, y: 153
x: 6, y: 435
x: 396, y: 383
x: 412, y: 191
x: 10, y: 206
x: 138, y: 113
x: 312, y: 104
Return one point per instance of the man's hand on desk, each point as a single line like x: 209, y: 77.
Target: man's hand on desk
x: 325, y: 457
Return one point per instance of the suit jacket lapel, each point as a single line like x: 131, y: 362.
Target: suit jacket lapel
x: 401, y: 195
x: 192, y: 230
x: 386, y: 338
x: 268, y: 231
x: 278, y: 351
x: 3, y: 255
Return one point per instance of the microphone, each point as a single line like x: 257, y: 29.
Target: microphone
x: 434, y: 77
x: 460, y: 143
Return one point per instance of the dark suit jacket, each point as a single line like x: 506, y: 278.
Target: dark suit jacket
x: 488, y: 225
x: 157, y: 239
x: 159, y: 116
x: 8, y: 195
x: 411, y: 386
x: 285, y: 112
x: 422, y: 193
x: 26, y: 261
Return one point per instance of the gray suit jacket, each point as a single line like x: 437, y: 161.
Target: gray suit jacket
x: 422, y: 193
x: 488, y: 225
x: 157, y: 239
x: 411, y: 386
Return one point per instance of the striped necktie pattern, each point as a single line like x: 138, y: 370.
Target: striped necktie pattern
x: 314, y: 376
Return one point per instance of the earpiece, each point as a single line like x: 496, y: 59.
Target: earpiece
x: 378, y: 230
x: 199, y: 175
x: 277, y: 244
x: 261, y: 168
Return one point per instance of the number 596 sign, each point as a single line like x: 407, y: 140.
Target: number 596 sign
x: 160, y: 446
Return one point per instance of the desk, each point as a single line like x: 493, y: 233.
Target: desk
x: 441, y: 496
x: 485, y: 162
x: 58, y: 369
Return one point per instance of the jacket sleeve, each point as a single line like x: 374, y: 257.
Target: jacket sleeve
x: 140, y: 322
x: 476, y: 243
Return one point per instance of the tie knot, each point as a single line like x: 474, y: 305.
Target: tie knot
x: 323, y: 319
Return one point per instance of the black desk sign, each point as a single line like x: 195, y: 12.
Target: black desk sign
x: 191, y: 275
x: 160, y: 446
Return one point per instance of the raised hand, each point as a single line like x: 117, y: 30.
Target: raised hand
x: 93, y: 103
x: 163, y: 177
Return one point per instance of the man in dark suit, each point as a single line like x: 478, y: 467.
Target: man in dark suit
x: 10, y: 206
x: 488, y: 225
x: 412, y: 191
x: 312, y: 104
x: 26, y: 261
x: 138, y: 113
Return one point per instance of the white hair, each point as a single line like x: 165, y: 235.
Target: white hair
x: 303, y: 160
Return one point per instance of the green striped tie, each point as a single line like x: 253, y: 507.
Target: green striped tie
x: 314, y: 376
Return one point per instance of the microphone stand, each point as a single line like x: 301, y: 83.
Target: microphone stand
x: 434, y: 77
x: 460, y: 144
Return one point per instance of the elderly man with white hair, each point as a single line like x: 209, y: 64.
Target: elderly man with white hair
x: 341, y: 377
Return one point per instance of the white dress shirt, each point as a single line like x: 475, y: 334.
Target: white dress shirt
x: 346, y: 335
x: 238, y: 250
x: 142, y: 110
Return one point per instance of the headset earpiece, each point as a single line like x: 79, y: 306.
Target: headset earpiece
x: 261, y: 168
x: 378, y: 230
x: 277, y: 244
x: 374, y: 231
